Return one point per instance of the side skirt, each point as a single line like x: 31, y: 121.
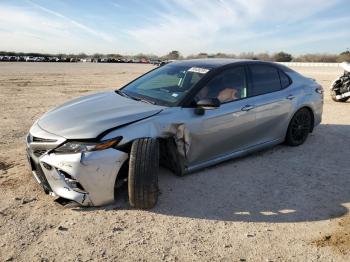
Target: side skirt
x: 235, y: 154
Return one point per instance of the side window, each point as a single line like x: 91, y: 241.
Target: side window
x: 265, y: 79
x: 227, y: 86
x: 285, y: 81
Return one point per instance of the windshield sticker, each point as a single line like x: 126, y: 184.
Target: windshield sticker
x: 198, y: 70
x: 175, y: 95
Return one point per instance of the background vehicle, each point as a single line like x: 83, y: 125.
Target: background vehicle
x: 21, y: 59
x: 5, y: 59
x: 30, y: 59
x: 39, y: 59
x: 162, y: 63
x: 13, y: 59
x: 340, y: 89
x: 184, y: 115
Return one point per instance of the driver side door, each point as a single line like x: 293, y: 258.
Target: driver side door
x: 226, y: 129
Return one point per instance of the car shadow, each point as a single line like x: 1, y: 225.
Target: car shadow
x: 282, y: 184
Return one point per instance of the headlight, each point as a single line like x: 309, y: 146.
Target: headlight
x: 79, y: 147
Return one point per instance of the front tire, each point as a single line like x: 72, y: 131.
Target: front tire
x: 143, y: 173
x: 299, y: 127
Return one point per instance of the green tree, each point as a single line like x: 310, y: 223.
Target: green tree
x: 97, y: 55
x: 82, y: 55
x: 203, y: 55
x: 173, y: 55
x: 282, y: 57
x: 344, y: 57
x: 263, y: 57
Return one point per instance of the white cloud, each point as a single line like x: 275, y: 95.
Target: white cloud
x: 205, y: 25
x: 190, y: 26
x: 42, y: 30
x: 73, y: 22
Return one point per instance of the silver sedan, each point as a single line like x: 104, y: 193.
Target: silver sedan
x: 185, y: 115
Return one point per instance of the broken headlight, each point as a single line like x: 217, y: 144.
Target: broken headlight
x: 79, y: 147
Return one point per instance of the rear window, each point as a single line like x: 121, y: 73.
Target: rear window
x: 265, y: 79
x: 285, y: 81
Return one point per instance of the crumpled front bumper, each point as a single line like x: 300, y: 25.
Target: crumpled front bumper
x: 86, y: 178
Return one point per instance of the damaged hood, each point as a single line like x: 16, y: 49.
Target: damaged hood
x: 89, y: 116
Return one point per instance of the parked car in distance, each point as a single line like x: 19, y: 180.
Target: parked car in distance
x: 30, y: 59
x: 155, y: 62
x: 185, y: 115
x: 13, y: 59
x: 53, y: 59
x: 40, y: 59
x: 165, y: 62
x: 21, y: 59
x: 96, y: 60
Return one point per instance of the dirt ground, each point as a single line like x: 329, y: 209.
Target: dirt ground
x: 282, y: 204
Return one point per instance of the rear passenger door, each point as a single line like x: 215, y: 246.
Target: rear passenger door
x: 272, y: 102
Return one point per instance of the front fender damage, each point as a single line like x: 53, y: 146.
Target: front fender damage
x: 175, y: 141
x: 181, y: 137
x: 89, y: 178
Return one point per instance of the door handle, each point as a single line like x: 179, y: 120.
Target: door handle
x: 290, y: 97
x: 247, y: 108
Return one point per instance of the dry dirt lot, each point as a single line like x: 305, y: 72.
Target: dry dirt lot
x: 282, y: 204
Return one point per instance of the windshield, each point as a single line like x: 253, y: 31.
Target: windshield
x: 166, y: 85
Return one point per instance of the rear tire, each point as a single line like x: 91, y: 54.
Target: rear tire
x: 299, y: 127
x: 143, y: 173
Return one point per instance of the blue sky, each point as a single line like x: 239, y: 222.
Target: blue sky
x: 190, y: 26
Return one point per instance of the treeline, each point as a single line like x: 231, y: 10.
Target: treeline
x: 281, y: 57
x: 175, y: 55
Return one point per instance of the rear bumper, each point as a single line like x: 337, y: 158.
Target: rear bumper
x: 86, y: 178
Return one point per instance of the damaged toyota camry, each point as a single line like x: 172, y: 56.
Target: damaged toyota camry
x: 185, y: 116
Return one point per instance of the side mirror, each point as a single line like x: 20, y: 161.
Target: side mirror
x: 206, y: 104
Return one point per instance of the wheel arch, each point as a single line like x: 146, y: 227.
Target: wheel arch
x: 312, y: 113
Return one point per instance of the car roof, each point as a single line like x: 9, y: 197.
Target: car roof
x: 207, y: 62
x: 212, y: 63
